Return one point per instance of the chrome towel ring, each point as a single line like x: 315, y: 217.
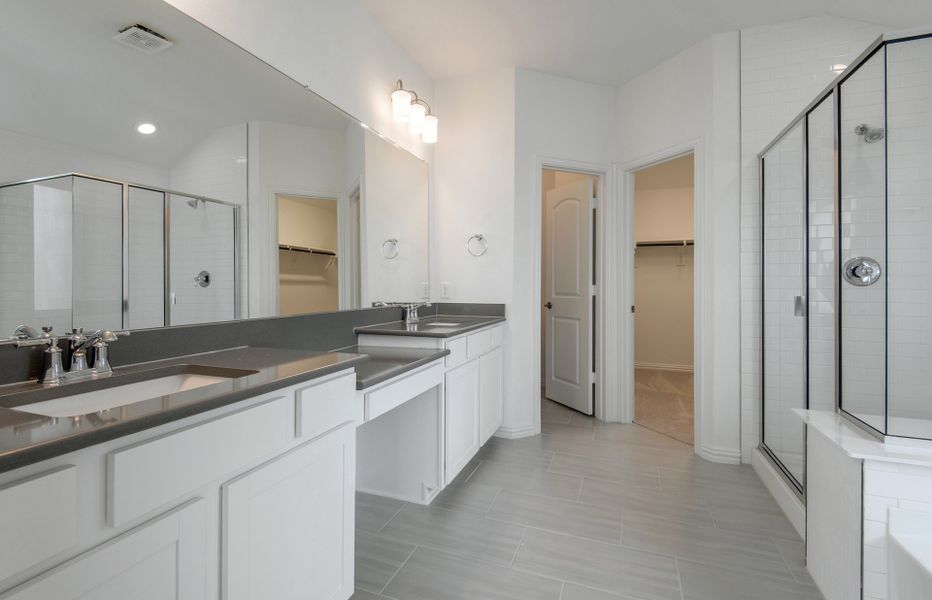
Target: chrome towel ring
x: 477, y: 245
x: 390, y: 248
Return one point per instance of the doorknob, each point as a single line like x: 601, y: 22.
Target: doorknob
x: 549, y: 305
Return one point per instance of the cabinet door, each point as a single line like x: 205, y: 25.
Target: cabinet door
x: 491, y: 395
x: 288, y: 524
x: 163, y: 559
x: 461, y: 407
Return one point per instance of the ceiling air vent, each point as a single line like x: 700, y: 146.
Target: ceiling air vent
x: 143, y: 39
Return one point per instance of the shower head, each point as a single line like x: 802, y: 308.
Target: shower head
x: 871, y: 135
x: 193, y: 202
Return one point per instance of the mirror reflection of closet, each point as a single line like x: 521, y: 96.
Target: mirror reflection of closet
x: 307, y: 255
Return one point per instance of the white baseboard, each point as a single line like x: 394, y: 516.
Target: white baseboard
x: 729, y: 456
x: 513, y: 433
x: 663, y: 367
x: 787, y: 500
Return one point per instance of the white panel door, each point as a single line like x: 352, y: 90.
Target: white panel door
x: 461, y: 408
x: 490, y: 394
x: 163, y: 559
x: 567, y: 294
x: 288, y: 524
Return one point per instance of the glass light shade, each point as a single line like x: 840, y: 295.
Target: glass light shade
x: 429, y: 133
x: 401, y: 105
x: 416, y: 118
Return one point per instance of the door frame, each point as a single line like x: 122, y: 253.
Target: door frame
x: 605, y: 175
x: 618, y: 314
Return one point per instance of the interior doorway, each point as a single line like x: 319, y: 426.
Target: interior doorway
x: 308, y: 233
x: 664, y: 270
x: 568, y: 288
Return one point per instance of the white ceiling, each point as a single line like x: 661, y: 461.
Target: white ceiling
x: 600, y: 41
x: 64, y: 79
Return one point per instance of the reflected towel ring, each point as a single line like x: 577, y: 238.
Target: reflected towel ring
x: 390, y: 248
x: 477, y: 245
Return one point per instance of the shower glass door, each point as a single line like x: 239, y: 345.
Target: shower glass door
x: 784, y: 214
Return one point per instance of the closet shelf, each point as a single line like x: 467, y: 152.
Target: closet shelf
x: 666, y: 243
x: 306, y: 250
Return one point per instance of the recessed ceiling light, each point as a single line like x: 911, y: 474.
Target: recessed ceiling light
x: 838, y: 67
x: 147, y: 128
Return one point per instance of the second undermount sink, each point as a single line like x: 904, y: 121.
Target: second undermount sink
x: 139, y: 387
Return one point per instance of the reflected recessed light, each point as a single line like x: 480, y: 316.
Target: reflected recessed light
x: 838, y: 67
x: 147, y: 128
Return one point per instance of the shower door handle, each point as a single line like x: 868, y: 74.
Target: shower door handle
x: 799, y: 306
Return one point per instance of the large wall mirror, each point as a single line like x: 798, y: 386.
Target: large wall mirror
x: 160, y: 175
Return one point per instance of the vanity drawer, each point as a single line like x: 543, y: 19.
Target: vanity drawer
x: 457, y: 355
x: 382, y: 400
x: 497, y: 334
x: 478, y: 343
x: 38, y: 519
x: 323, y: 406
x: 153, y: 473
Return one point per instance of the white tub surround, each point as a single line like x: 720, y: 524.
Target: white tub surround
x: 909, y: 555
x: 855, y: 484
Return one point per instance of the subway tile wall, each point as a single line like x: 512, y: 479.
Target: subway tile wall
x: 783, y: 67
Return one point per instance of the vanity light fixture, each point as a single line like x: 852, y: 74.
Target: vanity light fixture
x: 408, y: 108
x: 146, y: 128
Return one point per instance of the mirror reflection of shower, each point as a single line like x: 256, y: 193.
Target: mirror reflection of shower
x: 871, y: 134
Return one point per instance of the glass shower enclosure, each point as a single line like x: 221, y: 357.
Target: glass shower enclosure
x: 99, y: 253
x: 846, y: 285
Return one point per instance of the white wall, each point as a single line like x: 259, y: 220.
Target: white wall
x: 474, y: 169
x: 335, y: 48
x: 555, y: 118
x: 783, y: 67
x: 284, y: 159
x: 692, y: 99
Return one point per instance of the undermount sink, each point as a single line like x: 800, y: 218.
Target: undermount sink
x: 441, y: 324
x: 156, y: 385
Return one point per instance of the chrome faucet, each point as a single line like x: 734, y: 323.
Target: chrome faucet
x: 54, y: 373
x: 97, y: 340
x: 409, y: 309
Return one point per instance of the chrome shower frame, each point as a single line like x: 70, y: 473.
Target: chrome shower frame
x: 166, y: 237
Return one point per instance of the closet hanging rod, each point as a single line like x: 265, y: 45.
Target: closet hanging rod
x: 306, y: 250
x: 673, y: 243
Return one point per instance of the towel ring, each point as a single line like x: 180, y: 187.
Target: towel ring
x: 477, y: 245
x: 390, y: 248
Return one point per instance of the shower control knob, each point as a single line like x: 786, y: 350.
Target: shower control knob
x: 862, y: 271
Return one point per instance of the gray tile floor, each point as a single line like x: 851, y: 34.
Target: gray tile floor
x: 585, y: 511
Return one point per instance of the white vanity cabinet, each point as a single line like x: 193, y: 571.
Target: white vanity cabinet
x: 164, y: 559
x: 288, y: 525
x: 252, y: 500
x: 473, y: 396
x: 461, y: 430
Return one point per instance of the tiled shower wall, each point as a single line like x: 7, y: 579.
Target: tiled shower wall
x: 783, y: 67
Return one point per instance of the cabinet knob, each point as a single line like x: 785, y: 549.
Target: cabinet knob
x: 549, y: 305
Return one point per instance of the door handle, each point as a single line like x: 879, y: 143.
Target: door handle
x: 799, y: 306
x: 549, y: 305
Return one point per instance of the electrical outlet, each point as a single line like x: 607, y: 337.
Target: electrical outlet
x: 445, y: 290
x: 425, y: 290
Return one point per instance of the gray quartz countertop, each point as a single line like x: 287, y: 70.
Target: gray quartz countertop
x: 27, y: 438
x: 439, y: 326
x: 385, y: 363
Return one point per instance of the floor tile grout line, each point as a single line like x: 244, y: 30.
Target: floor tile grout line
x: 786, y: 562
x: 562, y: 589
x: 514, y: 556
x: 398, y: 512
x: 492, y: 503
x: 679, y: 577
x: 398, y: 570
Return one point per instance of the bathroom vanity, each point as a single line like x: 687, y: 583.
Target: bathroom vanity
x: 239, y: 483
